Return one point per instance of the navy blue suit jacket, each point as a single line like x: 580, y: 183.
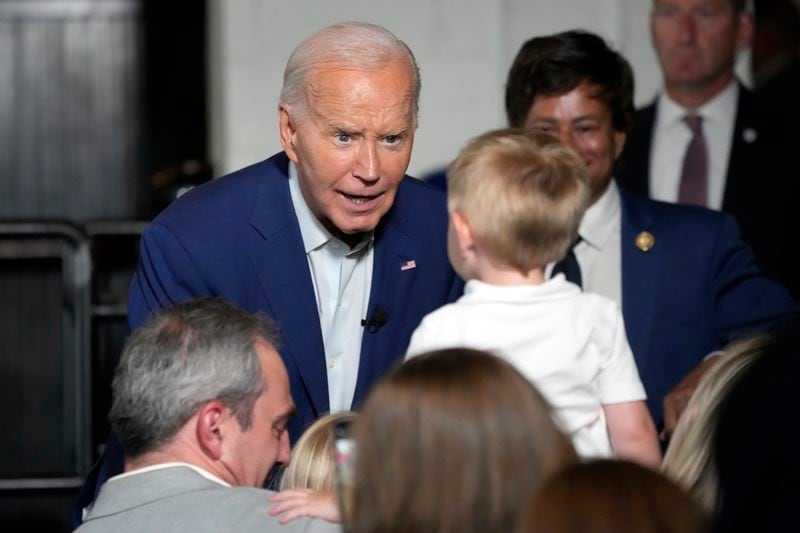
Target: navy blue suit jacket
x: 695, y: 290
x: 238, y: 237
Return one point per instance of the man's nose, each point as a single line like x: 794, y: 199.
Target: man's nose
x: 687, y: 29
x: 567, y: 137
x: 368, y: 164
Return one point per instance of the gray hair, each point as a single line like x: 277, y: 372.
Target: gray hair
x: 185, y: 356
x: 358, y: 44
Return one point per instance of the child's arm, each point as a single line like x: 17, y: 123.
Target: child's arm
x: 304, y: 502
x: 633, y: 433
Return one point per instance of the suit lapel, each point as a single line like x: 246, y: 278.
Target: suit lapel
x: 742, y: 174
x: 282, y: 271
x: 393, y: 274
x: 640, y: 272
x: 633, y: 172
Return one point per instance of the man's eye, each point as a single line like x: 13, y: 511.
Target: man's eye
x: 343, y: 137
x: 391, y: 139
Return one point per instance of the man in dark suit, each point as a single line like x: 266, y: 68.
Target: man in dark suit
x: 686, y: 284
x: 330, y: 237
x: 706, y: 140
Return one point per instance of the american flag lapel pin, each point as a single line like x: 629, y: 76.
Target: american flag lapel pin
x: 408, y: 265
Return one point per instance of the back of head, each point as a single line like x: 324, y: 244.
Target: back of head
x: 452, y: 441
x: 755, y: 442
x: 354, y: 44
x: 523, y: 193
x: 312, y: 465
x: 185, y: 356
x: 604, y: 496
x: 690, y: 459
x: 557, y: 64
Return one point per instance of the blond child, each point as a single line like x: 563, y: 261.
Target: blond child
x: 516, y: 199
x: 309, y: 480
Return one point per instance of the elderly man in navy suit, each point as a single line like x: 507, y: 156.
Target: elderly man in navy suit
x: 330, y: 238
x: 707, y: 140
x: 686, y: 284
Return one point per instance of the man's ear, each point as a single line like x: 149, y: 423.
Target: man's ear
x: 209, y: 428
x: 744, y: 35
x: 619, y: 143
x: 288, y: 131
x: 464, y: 235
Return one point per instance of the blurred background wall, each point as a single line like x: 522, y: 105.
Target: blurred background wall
x: 464, y: 49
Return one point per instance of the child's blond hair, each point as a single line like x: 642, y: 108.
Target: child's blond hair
x: 523, y: 194
x: 312, y: 465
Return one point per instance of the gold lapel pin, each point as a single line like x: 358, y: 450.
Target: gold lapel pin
x: 645, y: 241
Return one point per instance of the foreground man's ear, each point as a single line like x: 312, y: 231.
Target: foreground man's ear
x: 209, y: 428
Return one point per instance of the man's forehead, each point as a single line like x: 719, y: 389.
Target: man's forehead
x: 336, y: 76
x: 591, y: 104
x: 695, y: 3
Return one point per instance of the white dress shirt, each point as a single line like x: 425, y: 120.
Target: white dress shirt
x: 342, y: 278
x: 671, y: 138
x: 599, y: 253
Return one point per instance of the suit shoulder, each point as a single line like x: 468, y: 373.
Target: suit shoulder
x: 421, y: 202
x: 248, y: 509
x: 227, y: 196
x: 674, y: 214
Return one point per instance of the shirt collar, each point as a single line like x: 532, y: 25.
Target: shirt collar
x: 205, y: 473
x: 720, y: 108
x: 315, y: 235
x: 600, y: 219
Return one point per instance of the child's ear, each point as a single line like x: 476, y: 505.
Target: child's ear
x: 464, y: 235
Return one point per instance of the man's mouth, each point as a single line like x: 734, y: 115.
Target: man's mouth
x: 359, y: 199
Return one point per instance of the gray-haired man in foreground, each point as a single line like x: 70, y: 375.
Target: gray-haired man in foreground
x: 200, y: 404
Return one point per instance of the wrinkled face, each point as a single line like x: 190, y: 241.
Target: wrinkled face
x: 583, y: 123
x: 696, y: 40
x: 352, y: 144
x: 252, y: 453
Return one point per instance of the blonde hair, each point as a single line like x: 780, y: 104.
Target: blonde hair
x: 452, y: 441
x: 523, y: 194
x: 689, y: 460
x: 312, y: 466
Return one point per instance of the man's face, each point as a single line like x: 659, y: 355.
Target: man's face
x: 696, y: 41
x: 352, y: 145
x: 252, y: 453
x: 583, y: 123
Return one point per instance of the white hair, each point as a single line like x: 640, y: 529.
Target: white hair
x: 358, y: 44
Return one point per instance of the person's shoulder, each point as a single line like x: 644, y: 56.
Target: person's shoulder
x: 248, y: 509
x: 230, y: 195
x: 672, y: 213
x: 419, y: 191
x: 420, y: 211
